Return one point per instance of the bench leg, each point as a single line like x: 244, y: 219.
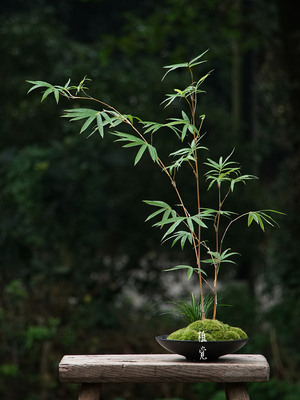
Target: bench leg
x: 89, y: 391
x: 236, y: 391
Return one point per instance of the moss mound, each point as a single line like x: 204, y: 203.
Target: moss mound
x: 214, y: 330
x: 208, y: 325
x: 177, y: 335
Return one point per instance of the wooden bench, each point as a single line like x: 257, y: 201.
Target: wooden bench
x: 234, y: 371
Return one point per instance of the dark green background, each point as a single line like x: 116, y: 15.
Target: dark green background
x: 74, y: 247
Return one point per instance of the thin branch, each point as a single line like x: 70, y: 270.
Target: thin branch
x: 228, y: 226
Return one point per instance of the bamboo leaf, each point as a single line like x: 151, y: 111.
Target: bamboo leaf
x: 75, y: 114
x: 152, y: 152
x: 185, y: 117
x: 67, y: 84
x: 169, y: 99
x: 260, y: 221
x: 217, y: 259
x: 46, y: 93
x: 140, y: 154
x: 56, y: 95
x: 190, y: 269
x: 173, y: 68
x: 38, y: 85
x: 166, y: 214
x: 198, y: 220
x: 252, y: 216
x: 155, y: 214
x: 87, y: 123
x: 131, y: 139
x: 262, y: 216
x: 152, y: 126
x: 157, y: 203
x: 183, y: 236
x: 189, y: 273
x: 184, y: 130
x: 171, y: 229
x: 171, y: 220
x: 100, y: 124
x: 194, y: 60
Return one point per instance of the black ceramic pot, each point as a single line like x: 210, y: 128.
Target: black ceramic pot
x: 194, y: 350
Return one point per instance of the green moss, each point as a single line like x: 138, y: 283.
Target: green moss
x: 214, y: 331
x: 190, y: 334
x: 197, y: 326
x: 239, y: 332
x: 177, y: 334
x: 231, y: 335
x: 208, y: 325
x: 209, y: 337
x: 219, y: 335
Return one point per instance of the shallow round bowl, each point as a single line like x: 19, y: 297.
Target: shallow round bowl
x: 194, y: 350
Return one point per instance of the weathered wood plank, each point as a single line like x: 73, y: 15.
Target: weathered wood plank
x: 161, y: 368
x: 236, y: 391
x: 89, y: 391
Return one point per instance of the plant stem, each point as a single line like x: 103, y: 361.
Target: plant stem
x: 217, y: 262
x: 193, y: 106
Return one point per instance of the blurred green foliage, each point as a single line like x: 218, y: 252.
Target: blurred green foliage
x: 69, y: 258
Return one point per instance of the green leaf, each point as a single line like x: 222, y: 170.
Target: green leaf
x: 216, y: 258
x: 190, y: 64
x: 190, y: 269
x: 185, y: 117
x: 152, y: 126
x: 194, y: 62
x: 241, y: 178
x: 67, y: 83
x: 152, y: 152
x: 46, y: 93
x: 261, y: 222
x: 76, y: 114
x: 100, y: 124
x: 170, y: 98
x: 140, y: 154
x: 173, y: 68
x: 171, y: 220
x: 167, y: 214
x: 153, y: 215
x: 185, y: 154
x: 38, y: 85
x: 183, y: 236
x: 87, y: 123
x: 262, y: 216
x: 56, y: 90
x: 252, y: 216
x: 115, y: 120
x: 157, y: 203
x: 225, y: 171
x: 198, y: 220
x: 56, y: 95
x: 163, y: 208
x: 190, y: 224
x: 172, y: 228
x: 131, y: 139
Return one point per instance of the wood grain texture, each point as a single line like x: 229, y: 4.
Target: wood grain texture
x: 236, y: 391
x: 161, y: 368
x: 89, y: 391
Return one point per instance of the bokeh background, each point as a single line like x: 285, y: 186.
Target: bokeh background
x: 80, y: 270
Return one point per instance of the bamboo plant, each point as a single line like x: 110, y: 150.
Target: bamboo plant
x: 181, y: 225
